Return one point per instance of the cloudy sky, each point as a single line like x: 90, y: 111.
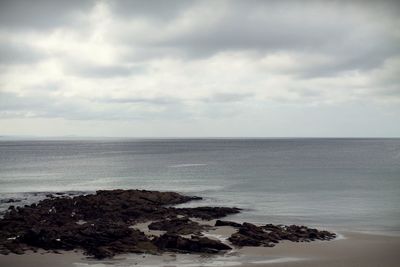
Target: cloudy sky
x: 200, y: 68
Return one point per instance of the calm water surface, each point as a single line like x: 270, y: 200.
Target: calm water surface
x: 343, y: 184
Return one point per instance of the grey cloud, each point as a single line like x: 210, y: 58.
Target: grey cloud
x: 134, y: 100
x: 306, y: 92
x: 361, y: 61
x: 40, y: 14
x: 357, y: 35
x: 227, y: 97
x: 347, y: 30
x: 11, y: 101
x: 46, y: 106
x: 361, y: 56
x: 39, y: 105
x: 392, y: 93
x: 215, y: 98
x: 97, y: 71
x: 11, y: 53
x: 150, y: 9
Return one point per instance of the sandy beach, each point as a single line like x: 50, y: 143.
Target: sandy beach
x: 355, y: 249
x: 351, y: 249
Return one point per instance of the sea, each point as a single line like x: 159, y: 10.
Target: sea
x: 333, y: 184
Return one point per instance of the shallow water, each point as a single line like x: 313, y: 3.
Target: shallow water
x: 186, y: 260
x: 343, y: 184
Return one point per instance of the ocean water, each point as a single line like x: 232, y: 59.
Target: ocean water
x: 335, y: 184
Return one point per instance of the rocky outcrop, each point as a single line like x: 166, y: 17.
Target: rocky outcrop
x: 98, y: 223
x: 101, y: 225
x: 268, y: 235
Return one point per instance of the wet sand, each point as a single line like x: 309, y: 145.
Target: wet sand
x: 355, y: 249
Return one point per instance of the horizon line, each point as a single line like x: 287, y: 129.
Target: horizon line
x: 78, y: 137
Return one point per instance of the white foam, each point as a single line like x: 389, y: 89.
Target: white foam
x: 277, y: 260
x: 222, y: 239
x: 340, y: 236
x: 185, y: 260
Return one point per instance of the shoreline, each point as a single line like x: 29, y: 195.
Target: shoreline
x: 147, y: 230
x: 103, y: 225
x: 354, y: 250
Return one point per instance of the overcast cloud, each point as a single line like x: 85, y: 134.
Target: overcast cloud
x: 200, y: 68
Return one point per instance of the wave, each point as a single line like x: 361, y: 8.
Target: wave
x: 277, y: 260
x: 187, y: 165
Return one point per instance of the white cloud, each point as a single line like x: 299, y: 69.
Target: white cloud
x: 222, y: 60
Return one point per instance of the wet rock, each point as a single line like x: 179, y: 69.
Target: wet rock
x: 51, y: 224
x: 207, y: 213
x: 100, y: 240
x: 14, y: 247
x: 210, y: 244
x: 227, y: 223
x: 268, y: 235
x: 183, y: 226
x: 242, y: 240
x: 251, y: 235
x: 172, y: 242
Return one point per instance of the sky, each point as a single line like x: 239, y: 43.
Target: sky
x: 200, y: 68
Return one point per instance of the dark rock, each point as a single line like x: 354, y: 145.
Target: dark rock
x: 272, y: 227
x: 227, y: 223
x: 268, y: 235
x: 174, y: 242
x: 207, y: 213
x: 251, y: 235
x: 252, y: 231
x: 182, y: 226
x: 51, y: 224
x: 242, y: 240
x: 212, y: 244
x: 14, y: 247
